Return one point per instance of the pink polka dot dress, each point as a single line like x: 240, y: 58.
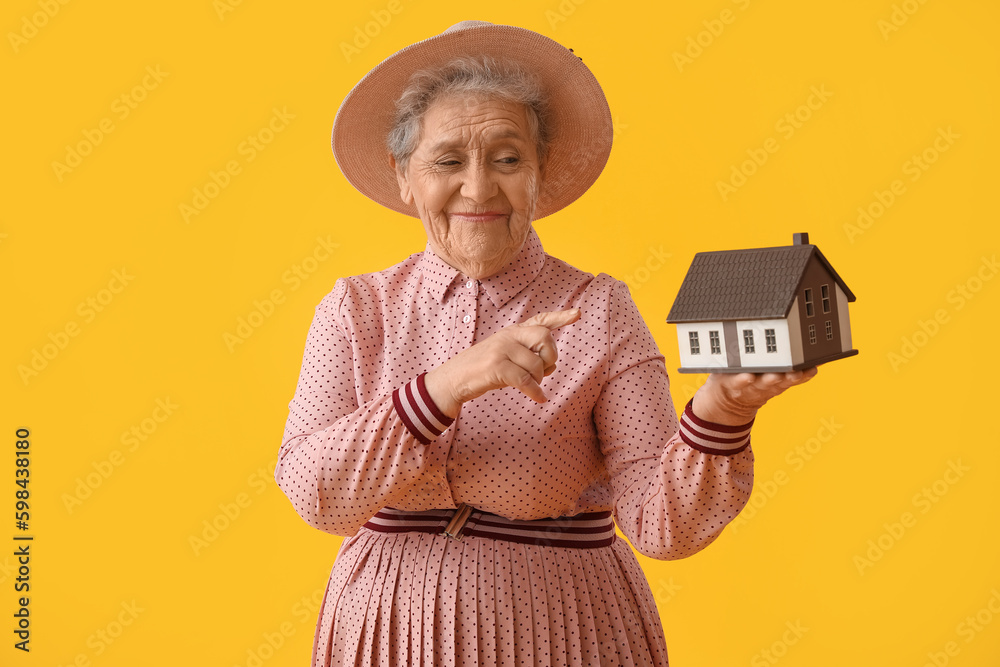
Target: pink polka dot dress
x: 361, y: 437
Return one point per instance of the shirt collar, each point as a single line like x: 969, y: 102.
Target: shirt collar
x: 438, y: 276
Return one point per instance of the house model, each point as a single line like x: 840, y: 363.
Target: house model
x: 761, y: 310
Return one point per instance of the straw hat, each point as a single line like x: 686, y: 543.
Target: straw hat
x: 581, y: 127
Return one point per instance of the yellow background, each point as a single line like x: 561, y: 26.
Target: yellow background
x: 895, y: 76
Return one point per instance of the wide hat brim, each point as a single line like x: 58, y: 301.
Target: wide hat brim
x: 580, y: 121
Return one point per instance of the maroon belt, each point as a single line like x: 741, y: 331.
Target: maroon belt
x: 582, y: 531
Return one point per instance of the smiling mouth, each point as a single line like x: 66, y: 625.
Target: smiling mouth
x: 488, y: 216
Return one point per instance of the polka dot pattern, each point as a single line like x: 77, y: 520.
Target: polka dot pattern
x: 608, y: 438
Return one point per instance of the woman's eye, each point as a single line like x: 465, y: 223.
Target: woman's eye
x: 448, y: 163
x: 508, y: 160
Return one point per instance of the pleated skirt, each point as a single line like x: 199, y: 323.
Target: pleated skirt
x: 413, y: 598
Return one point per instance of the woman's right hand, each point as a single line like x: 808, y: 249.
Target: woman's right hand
x: 519, y: 356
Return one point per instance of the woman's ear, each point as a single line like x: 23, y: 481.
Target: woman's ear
x: 404, y: 185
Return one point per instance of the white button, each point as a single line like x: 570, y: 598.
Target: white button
x: 467, y: 319
x: 469, y: 284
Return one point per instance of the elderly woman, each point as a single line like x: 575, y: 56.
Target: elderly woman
x: 476, y: 418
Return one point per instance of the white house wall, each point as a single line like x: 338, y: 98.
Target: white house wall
x: 705, y: 359
x: 845, y: 320
x: 761, y: 357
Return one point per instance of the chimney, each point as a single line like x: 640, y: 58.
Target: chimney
x: 800, y: 238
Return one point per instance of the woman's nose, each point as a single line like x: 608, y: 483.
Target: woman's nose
x: 478, y: 184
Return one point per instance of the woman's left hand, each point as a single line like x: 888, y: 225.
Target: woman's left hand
x: 734, y: 398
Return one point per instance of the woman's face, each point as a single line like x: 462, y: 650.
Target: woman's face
x: 474, y: 180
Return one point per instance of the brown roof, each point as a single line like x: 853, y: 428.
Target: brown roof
x: 756, y: 283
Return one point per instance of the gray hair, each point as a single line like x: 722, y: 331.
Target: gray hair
x: 467, y: 77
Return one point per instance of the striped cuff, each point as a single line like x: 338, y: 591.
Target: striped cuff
x: 706, y: 436
x: 419, y: 413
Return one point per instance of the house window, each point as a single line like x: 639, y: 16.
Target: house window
x: 772, y: 342
x: 812, y: 334
x: 809, y: 302
x: 713, y: 341
x: 693, y: 339
x: 824, y: 292
x: 829, y: 330
x: 748, y: 341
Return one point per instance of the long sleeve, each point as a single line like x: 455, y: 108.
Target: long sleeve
x: 672, y: 492
x: 341, y: 461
